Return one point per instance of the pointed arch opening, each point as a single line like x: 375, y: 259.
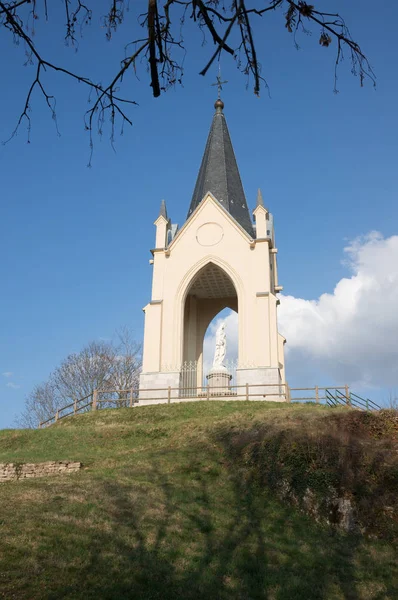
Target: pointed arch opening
x: 210, y: 292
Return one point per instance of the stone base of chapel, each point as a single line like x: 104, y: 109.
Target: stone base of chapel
x: 265, y: 383
x: 155, y: 385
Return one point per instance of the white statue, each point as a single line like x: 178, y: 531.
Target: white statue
x: 221, y: 346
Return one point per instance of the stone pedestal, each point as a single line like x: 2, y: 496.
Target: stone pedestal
x: 218, y: 381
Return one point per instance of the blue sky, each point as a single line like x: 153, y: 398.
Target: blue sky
x: 75, y: 240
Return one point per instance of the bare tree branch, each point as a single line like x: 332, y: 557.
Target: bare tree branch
x: 161, y: 46
x: 105, y: 96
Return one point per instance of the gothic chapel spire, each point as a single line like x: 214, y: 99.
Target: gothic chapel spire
x: 211, y: 264
x: 219, y: 173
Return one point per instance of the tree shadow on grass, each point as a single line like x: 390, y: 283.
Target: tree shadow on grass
x: 194, y: 532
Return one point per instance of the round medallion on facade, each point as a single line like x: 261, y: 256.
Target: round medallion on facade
x: 209, y: 234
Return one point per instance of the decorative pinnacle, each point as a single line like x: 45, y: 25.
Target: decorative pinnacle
x: 163, y: 210
x: 260, y: 201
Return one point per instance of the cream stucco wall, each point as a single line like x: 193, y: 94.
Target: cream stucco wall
x: 211, y: 235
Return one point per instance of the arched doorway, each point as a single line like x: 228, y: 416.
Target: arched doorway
x: 210, y: 291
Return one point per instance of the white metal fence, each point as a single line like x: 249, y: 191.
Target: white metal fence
x: 189, y: 376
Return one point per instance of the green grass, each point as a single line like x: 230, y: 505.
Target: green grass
x: 164, y: 509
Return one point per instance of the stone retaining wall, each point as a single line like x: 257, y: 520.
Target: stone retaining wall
x: 14, y: 471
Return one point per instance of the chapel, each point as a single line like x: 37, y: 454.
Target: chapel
x: 219, y: 258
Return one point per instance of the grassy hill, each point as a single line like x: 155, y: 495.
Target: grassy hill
x: 182, y: 501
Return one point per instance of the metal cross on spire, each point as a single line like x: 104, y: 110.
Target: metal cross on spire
x: 219, y: 83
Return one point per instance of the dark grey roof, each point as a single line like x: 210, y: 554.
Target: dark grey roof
x: 219, y: 173
x: 163, y: 210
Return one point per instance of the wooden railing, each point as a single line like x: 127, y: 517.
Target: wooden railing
x: 320, y: 393
x: 246, y: 392
x: 77, y: 407
x: 332, y: 396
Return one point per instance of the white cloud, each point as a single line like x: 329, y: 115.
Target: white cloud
x: 13, y: 385
x: 349, y: 336
x: 7, y: 374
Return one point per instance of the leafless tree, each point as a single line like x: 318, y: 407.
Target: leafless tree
x: 127, y: 361
x: 99, y: 365
x: 159, y: 41
x: 80, y: 374
x: 41, y: 403
x: 126, y: 367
